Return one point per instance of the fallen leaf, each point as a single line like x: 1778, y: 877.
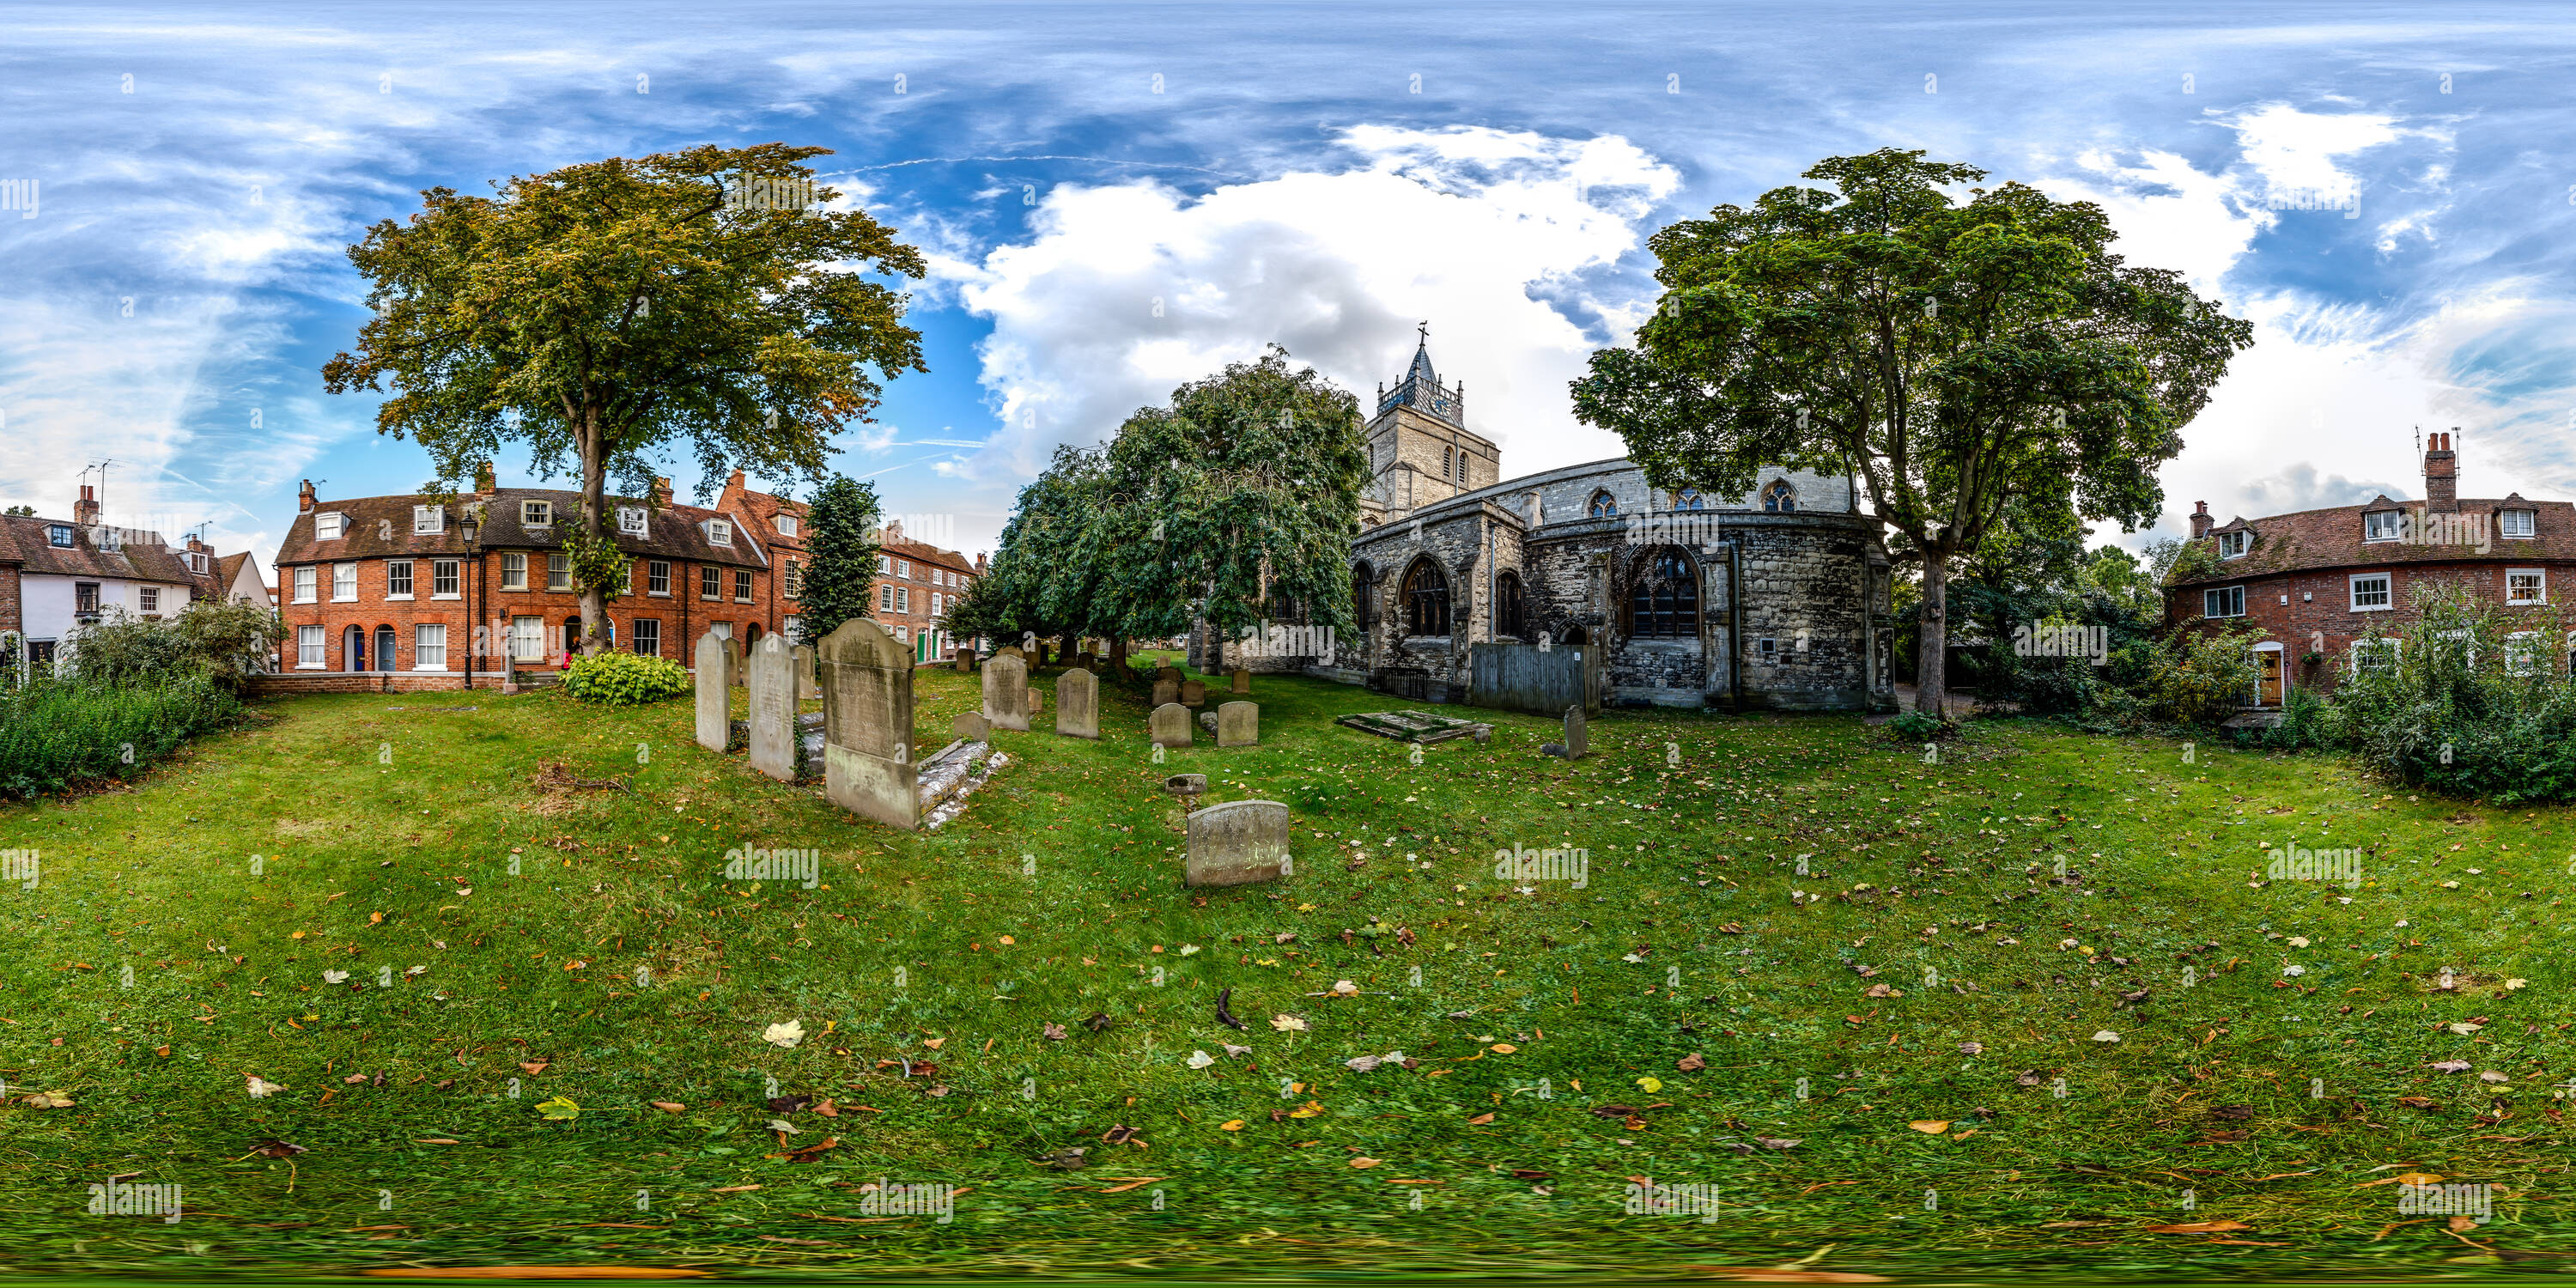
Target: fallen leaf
x: 1307, y: 1110
x: 1504, y: 1048
x: 785, y: 1036
x: 1231, y: 1124
x: 1052, y: 1032
x: 2199, y: 1227
x: 1480, y: 1120
x: 1692, y: 1063
x: 559, y: 1109
x: 1199, y: 1060
x: 668, y: 1106
x: 1366, y: 1162
x: 1929, y: 1126
x: 535, y: 1067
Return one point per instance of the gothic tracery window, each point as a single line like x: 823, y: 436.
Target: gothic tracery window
x: 1779, y: 498
x: 1604, y: 505
x: 1426, y: 599
x: 1664, y: 604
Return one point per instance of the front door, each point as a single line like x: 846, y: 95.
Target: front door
x: 384, y: 648
x: 353, y: 649
x: 2267, y: 687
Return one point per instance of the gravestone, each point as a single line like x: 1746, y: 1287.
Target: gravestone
x: 1077, y: 705
x: 773, y: 709
x: 1193, y: 693
x: 1242, y: 680
x: 806, y: 686
x: 1237, y: 843
x: 969, y: 727
x: 965, y: 660
x: 1011, y: 650
x: 1166, y: 691
x: 1577, y: 740
x: 1167, y: 671
x: 1006, y: 691
x: 715, y: 701
x: 1171, y: 725
x: 1207, y: 721
x: 1185, y: 784
x: 1238, y: 724
x: 733, y: 663
x: 867, y: 725
x: 1037, y: 701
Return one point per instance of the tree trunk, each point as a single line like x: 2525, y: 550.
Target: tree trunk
x: 1118, y: 657
x: 594, y: 486
x: 1931, y: 684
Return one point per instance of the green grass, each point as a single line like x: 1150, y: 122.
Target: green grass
x: 372, y: 824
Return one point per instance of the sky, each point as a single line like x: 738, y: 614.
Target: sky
x: 1115, y: 200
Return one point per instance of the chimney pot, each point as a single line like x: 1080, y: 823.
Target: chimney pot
x: 2442, y: 475
x: 304, y: 498
x: 2200, y: 520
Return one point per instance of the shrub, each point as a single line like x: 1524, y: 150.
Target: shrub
x: 209, y: 640
x: 59, y: 733
x: 621, y: 679
x: 2473, y: 704
x: 1920, y: 726
x: 2202, y: 678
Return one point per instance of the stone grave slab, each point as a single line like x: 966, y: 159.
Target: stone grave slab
x: 1077, y: 704
x: 1006, y: 692
x: 773, y: 709
x: 868, y: 764
x: 1193, y: 693
x: 1416, y: 726
x: 715, y: 701
x: 1237, y: 843
x: 1238, y: 724
x: 1171, y: 725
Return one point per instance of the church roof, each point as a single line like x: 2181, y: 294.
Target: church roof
x: 1421, y: 369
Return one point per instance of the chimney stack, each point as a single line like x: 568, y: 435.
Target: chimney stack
x: 893, y: 531
x: 85, y: 510
x: 2200, y: 520
x: 979, y: 563
x: 2442, y: 474
x: 303, y: 498
x: 486, y: 480
x: 661, y: 491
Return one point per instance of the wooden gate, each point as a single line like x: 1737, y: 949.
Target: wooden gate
x: 1512, y: 676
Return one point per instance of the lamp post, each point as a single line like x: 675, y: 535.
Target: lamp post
x: 470, y: 526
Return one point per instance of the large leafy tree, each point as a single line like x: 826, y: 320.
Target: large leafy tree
x: 841, y: 545
x: 1234, y: 505
x: 1954, y: 355
x: 602, y: 312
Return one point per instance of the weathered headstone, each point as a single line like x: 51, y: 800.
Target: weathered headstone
x: 1077, y: 705
x: 1037, y: 701
x: 773, y: 709
x: 1237, y: 843
x: 733, y: 663
x: 1576, y: 740
x: 1242, y: 680
x: 867, y: 724
x: 1238, y: 724
x: 965, y: 660
x: 807, y: 687
x: 1166, y: 691
x: 1171, y: 725
x: 1167, y: 671
x: 1207, y: 721
x: 1185, y: 784
x: 969, y: 727
x: 1011, y: 650
x: 1006, y: 692
x: 1193, y: 693
x: 715, y: 701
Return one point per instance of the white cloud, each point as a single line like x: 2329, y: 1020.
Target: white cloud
x: 2293, y: 150
x: 1125, y: 291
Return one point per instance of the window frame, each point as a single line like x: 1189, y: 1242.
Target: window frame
x: 2235, y: 545
x: 446, y: 572
x: 903, y: 599
x: 1602, y: 506
x: 344, y: 576
x: 641, y: 629
x: 336, y: 523
x: 147, y: 599
x: 2396, y: 524
x: 2387, y: 591
x: 2209, y: 597
x: 2530, y: 525
x: 1658, y: 599
x: 61, y: 536
x: 1430, y: 609
x: 428, y: 520
x: 398, y: 572
x: 536, y: 514
x: 423, y: 651
x: 312, y: 648
x: 633, y: 521
x: 527, y: 643
x: 657, y: 577
x: 307, y: 580
x: 2539, y: 574
x: 558, y: 572
x: 710, y: 582
x: 785, y: 523
x: 742, y: 586
x: 1779, y: 496
x: 720, y: 533
x: 2522, y: 653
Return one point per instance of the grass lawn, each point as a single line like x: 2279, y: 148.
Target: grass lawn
x: 1684, y: 1015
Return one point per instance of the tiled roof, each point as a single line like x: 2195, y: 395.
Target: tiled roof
x: 140, y: 556
x: 920, y: 553
x: 2319, y: 539
x: 380, y: 526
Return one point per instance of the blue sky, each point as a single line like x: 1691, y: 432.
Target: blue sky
x: 1118, y: 199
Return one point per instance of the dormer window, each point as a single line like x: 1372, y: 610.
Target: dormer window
x: 427, y: 520
x: 2515, y: 524
x: 329, y: 527
x: 60, y: 534
x: 719, y: 532
x: 786, y: 525
x: 196, y: 561
x: 2232, y: 545
x: 2382, y: 525
x: 536, y: 514
x: 630, y: 520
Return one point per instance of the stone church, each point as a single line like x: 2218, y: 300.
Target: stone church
x: 1778, y: 599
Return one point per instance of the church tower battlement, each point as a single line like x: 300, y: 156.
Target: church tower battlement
x: 1420, y: 450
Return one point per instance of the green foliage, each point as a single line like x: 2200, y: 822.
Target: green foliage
x: 2474, y: 703
x: 841, y: 545
x: 61, y: 733
x: 2191, y: 561
x: 211, y: 640
x: 1920, y: 726
x: 2202, y: 678
x: 600, y: 312
x: 617, y: 678
x: 1959, y: 357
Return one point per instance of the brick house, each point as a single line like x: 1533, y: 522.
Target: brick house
x: 2329, y: 587
x: 916, y: 582
x: 389, y: 586
x: 58, y: 576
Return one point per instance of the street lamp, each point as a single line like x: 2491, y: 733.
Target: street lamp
x: 470, y: 526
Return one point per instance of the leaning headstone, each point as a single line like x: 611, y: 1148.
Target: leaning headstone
x: 1237, y: 843
x: 715, y: 701
x: 1238, y: 724
x: 1006, y: 692
x: 1242, y: 680
x: 1576, y: 741
x: 1166, y: 691
x: 1171, y: 725
x: 773, y: 708
x: 867, y: 724
x: 803, y: 660
x: 1193, y: 693
x: 1077, y: 705
x: 969, y: 727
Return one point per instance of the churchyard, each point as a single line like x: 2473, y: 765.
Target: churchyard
x: 388, y: 981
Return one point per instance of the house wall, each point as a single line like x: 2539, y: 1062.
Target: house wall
x: 2318, y: 616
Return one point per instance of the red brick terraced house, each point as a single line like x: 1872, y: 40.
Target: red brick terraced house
x: 389, y: 592
x: 2330, y: 587
x: 916, y: 582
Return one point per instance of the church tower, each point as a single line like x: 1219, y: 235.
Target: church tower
x: 1419, y: 448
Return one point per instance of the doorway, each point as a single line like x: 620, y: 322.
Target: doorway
x: 353, y: 649
x: 2267, y: 676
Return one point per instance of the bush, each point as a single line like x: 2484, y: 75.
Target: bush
x: 209, y: 640
x: 621, y: 679
x: 2203, y: 678
x: 59, y: 733
x: 1921, y: 726
x: 2450, y: 713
